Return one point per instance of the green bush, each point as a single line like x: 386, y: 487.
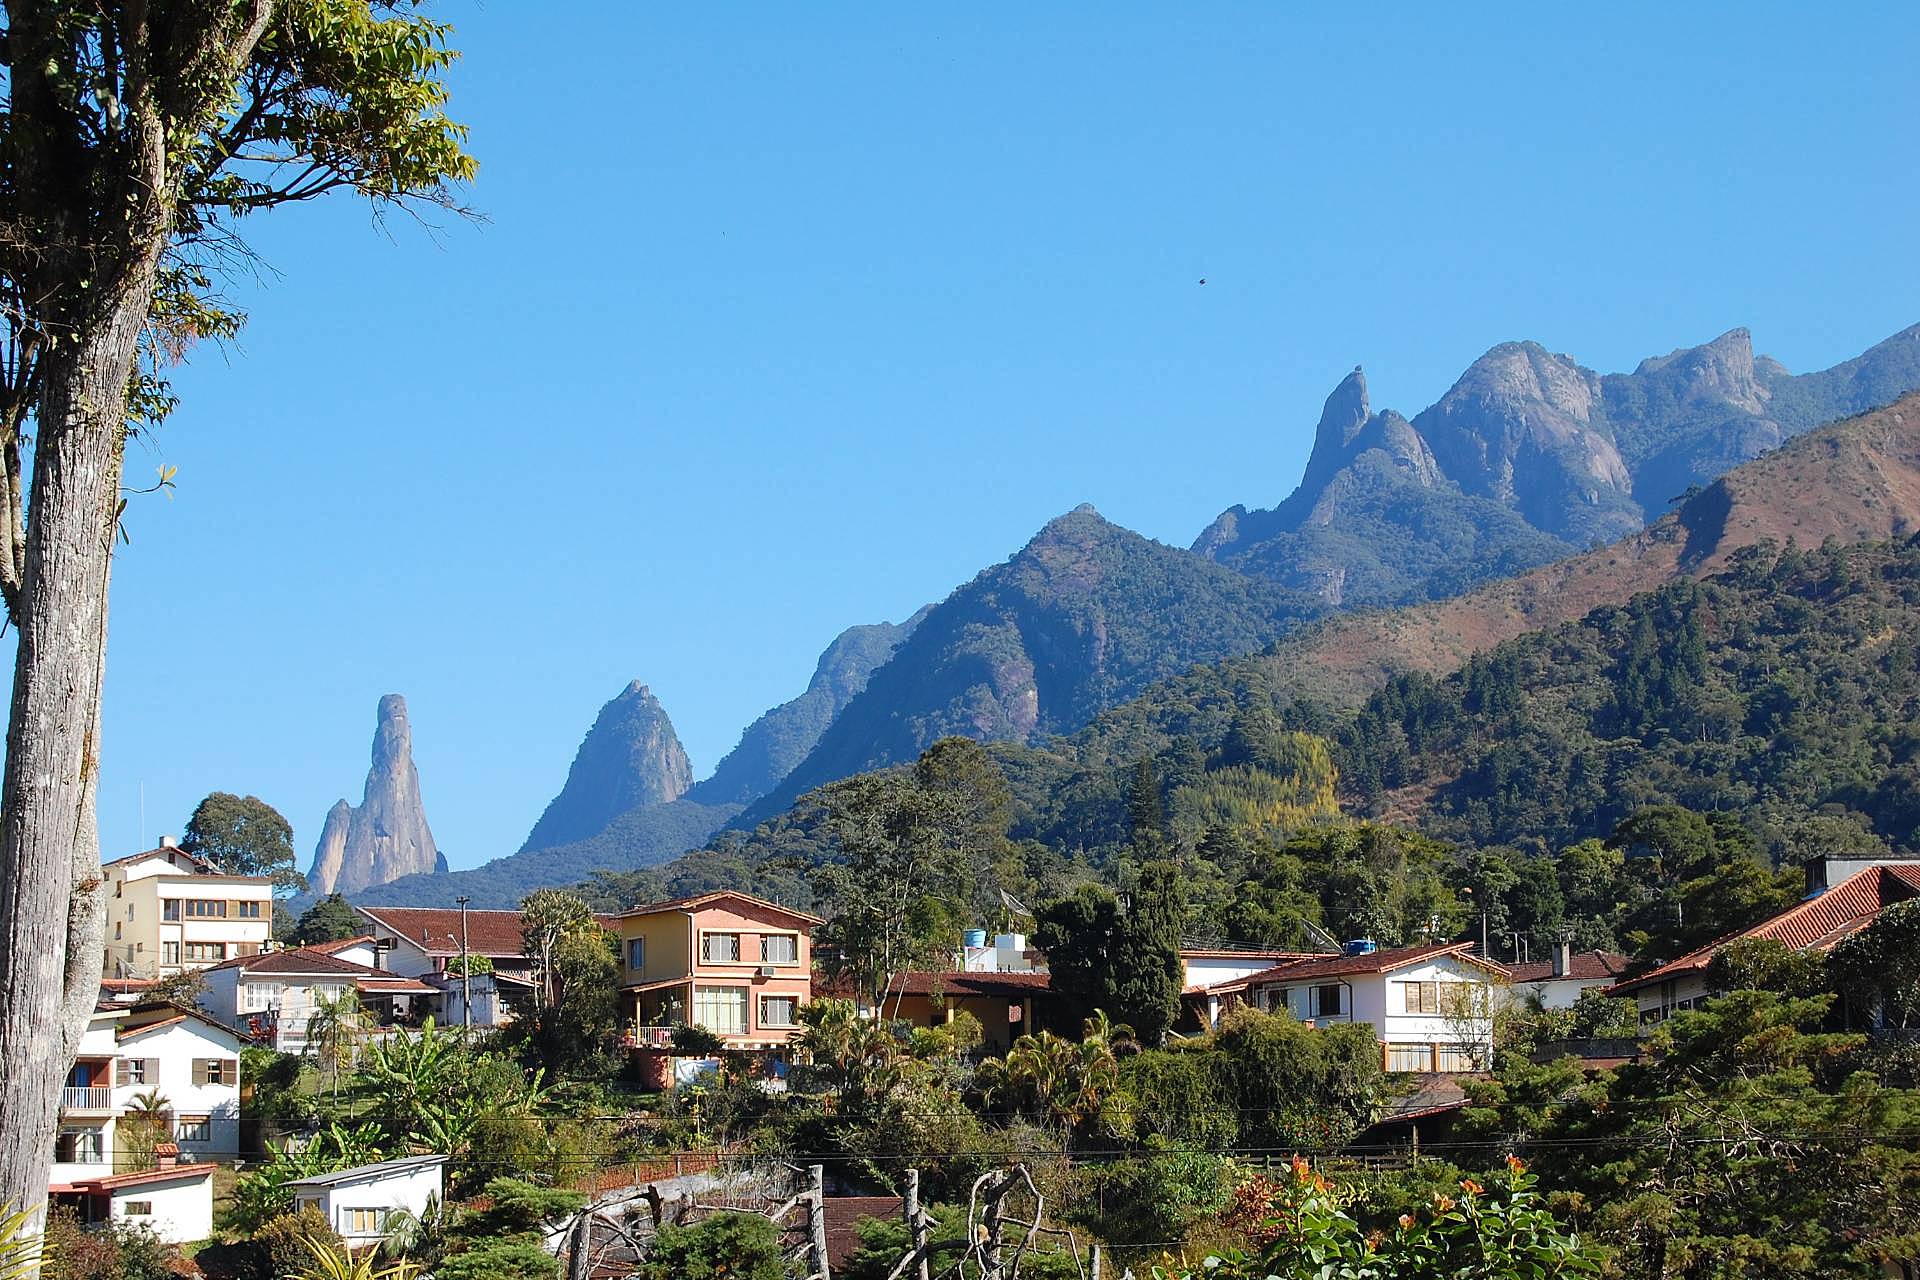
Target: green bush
x: 510, y: 1258
x: 519, y: 1208
x: 737, y: 1246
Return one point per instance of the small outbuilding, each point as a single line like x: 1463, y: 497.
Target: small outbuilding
x: 358, y: 1202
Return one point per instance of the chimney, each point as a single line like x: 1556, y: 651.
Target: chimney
x: 1563, y: 958
x: 168, y: 842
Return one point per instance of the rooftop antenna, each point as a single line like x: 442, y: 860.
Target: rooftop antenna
x: 143, y: 813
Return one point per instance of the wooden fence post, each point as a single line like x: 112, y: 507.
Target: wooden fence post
x: 916, y: 1224
x: 817, y: 1219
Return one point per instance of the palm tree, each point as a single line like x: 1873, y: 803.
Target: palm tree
x: 1065, y: 1083
x: 148, y: 1123
x: 332, y: 1031
x: 331, y: 1262
x: 19, y: 1245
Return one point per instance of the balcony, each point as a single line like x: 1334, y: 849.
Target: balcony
x: 649, y: 1037
x: 86, y: 1097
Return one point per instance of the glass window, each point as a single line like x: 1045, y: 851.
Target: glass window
x: 1409, y: 1057
x: 722, y: 1010
x: 778, y: 1011
x: 1326, y: 1001
x: 136, y: 1071
x: 170, y: 953
x: 170, y: 909
x: 363, y: 1222
x: 247, y: 910
x: 256, y: 997
x: 1453, y: 1059
x: 79, y: 1146
x: 1422, y: 997
x: 206, y: 951
x: 637, y: 954
x: 720, y: 948
x: 194, y: 1129
x: 779, y: 948
x: 208, y: 1071
x: 206, y: 909
x: 139, y: 1209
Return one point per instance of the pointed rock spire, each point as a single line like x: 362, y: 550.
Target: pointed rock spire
x: 387, y: 836
x: 631, y: 757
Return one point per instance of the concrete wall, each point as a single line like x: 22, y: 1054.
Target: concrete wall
x: 182, y: 1211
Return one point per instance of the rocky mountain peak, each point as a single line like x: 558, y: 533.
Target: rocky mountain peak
x: 386, y: 836
x: 1721, y: 371
x: 630, y: 758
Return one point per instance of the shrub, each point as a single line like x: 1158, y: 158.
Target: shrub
x: 519, y: 1208
x: 690, y: 1041
x: 512, y: 1258
x: 738, y: 1246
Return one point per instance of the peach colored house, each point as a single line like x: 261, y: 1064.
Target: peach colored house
x: 737, y: 965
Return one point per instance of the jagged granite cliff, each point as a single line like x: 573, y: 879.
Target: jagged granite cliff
x: 1530, y: 457
x: 386, y: 836
x: 630, y: 758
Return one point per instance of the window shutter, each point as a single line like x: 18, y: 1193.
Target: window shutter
x: 120, y: 1073
x: 229, y: 1072
x: 153, y: 1071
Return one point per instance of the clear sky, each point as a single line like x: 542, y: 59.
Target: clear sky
x: 791, y: 317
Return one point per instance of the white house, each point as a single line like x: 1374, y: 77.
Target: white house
x: 1817, y: 923
x: 1558, y: 981
x: 162, y: 1058
x: 1430, y: 1007
x: 358, y: 1202
x: 1204, y: 967
x: 272, y: 997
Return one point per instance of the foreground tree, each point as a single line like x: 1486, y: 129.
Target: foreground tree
x: 135, y: 133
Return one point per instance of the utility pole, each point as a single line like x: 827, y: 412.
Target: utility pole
x: 466, y: 970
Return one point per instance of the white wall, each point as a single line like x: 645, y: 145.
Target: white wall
x: 1209, y: 971
x: 182, y: 1211
x: 177, y: 1047
x: 407, y: 1189
x: 1379, y: 999
x: 1556, y: 993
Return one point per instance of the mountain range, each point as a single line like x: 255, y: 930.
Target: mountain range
x: 1527, y: 460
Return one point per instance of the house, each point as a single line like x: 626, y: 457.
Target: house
x: 1203, y: 967
x: 144, y: 1065
x: 358, y: 1202
x: 1007, y: 1005
x: 272, y: 997
x: 426, y: 943
x: 1817, y: 923
x: 737, y: 965
x: 168, y: 911
x: 1558, y: 981
x: 1430, y: 1007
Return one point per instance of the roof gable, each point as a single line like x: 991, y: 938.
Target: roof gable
x: 1362, y: 964
x: 715, y: 897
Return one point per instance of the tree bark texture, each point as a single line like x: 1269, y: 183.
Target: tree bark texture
x: 52, y: 908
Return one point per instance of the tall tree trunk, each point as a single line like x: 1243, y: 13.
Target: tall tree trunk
x: 52, y: 909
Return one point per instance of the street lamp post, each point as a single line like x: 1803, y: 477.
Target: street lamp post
x: 466, y: 969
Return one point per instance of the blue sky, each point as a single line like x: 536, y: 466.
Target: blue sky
x: 786, y: 318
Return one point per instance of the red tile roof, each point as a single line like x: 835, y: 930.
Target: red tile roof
x: 340, y: 944
x: 1587, y: 966
x: 436, y: 930
x: 1340, y: 966
x: 701, y: 899
x: 955, y: 983
x: 119, y: 1181
x: 1818, y: 923
x: 293, y: 960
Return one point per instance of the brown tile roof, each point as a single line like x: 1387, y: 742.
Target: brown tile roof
x: 1347, y: 965
x: 152, y: 1017
x: 1818, y: 923
x: 292, y: 960
x: 1587, y: 966
x: 436, y: 930
x: 701, y: 899
x: 970, y: 984
x: 178, y: 1173
x: 340, y: 944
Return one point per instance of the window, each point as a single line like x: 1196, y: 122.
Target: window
x: 1422, y: 997
x: 257, y: 997
x: 194, y: 1129
x: 722, y: 1010
x: 362, y: 1222
x: 1326, y: 1001
x: 206, y: 909
x: 779, y: 948
x: 170, y: 909
x: 138, y: 1071
x: 116, y: 931
x: 778, y: 1011
x: 1459, y: 1059
x: 170, y: 953
x: 637, y: 954
x: 208, y: 1071
x: 1410, y: 1057
x: 720, y: 948
x: 246, y: 948
x: 139, y: 1209
x: 206, y: 951
x: 79, y: 1146
x: 247, y: 910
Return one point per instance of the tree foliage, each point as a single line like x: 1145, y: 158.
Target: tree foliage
x: 244, y: 836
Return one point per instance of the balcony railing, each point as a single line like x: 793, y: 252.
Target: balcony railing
x: 86, y: 1097
x: 650, y: 1037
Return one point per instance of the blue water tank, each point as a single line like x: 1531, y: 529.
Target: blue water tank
x: 1361, y: 947
x: 975, y: 937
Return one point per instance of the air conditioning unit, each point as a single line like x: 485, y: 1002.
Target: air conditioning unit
x: 767, y: 971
